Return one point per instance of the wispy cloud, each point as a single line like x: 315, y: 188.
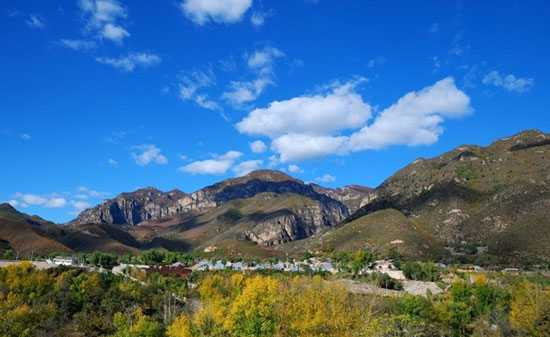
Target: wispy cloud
x: 103, y: 18
x: 191, y: 88
x: 35, y: 21
x: 261, y: 64
x: 377, y: 61
x: 509, y: 82
x: 81, y: 45
x: 203, y: 11
x: 326, y: 178
x: 131, y: 61
x: 25, y: 136
x: 258, y: 18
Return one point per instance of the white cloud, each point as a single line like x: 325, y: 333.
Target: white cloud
x: 434, y: 28
x: 341, y: 108
x: 326, y: 178
x: 78, y: 44
x: 245, y: 167
x: 415, y: 119
x: 220, y: 11
x: 50, y: 201
x: 229, y: 155
x: 112, y: 162
x: 297, y: 147
x: 257, y: 146
x: 114, y: 33
x: 25, y: 136
x: 15, y: 203
x: 98, y: 194
x: 377, y: 61
x: 209, y: 166
x: 35, y: 21
x: 190, y: 88
x: 262, y: 60
x: 295, y: 169
x: 247, y: 91
x: 257, y: 18
x: 130, y: 61
x: 508, y: 82
x: 102, y: 18
x: 218, y: 165
x: 84, y: 192
x: 261, y: 63
x: 308, y: 127
x: 148, y: 153
x: 56, y: 203
x: 80, y: 205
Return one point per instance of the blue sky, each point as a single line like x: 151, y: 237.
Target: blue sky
x: 99, y: 97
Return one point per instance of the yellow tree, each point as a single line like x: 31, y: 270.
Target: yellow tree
x: 253, y: 312
x: 530, y: 310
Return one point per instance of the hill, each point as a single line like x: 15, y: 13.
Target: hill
x: 495, y: 198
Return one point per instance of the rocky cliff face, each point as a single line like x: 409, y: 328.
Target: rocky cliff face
x: 353, y: 196
x: 134, y: 208
x: 150, y: 204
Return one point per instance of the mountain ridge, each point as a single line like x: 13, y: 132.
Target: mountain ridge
x: 471, y: 196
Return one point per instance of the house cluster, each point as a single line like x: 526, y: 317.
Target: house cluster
x: 312, y: 264
x: 289, y: 266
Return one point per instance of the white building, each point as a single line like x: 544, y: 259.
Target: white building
x: 63, y: 261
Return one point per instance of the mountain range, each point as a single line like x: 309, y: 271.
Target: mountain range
x: 488, y: 202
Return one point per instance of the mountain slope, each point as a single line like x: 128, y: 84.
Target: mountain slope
x: 481, y: 196
x: 28, y: 234
x: 296, y: 210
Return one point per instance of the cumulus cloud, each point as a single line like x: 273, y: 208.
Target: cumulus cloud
x: 261, y: 64
x: 508, y: 82
x: 102, y: 19
x: 308, y: 127
x: 415, y: 119
x: 83, y: 45
x: 245, y: 167
x: 219, y: 164
x: 340, y: 108
x: 220, y: 11
x: 148, y: 153
x: 35, y: 21
x: 112, y: 162
x: 25, y: 136
x: 190, y: 88
x: 326, y: 178
x: 131, y: 61
x: 258, y: 146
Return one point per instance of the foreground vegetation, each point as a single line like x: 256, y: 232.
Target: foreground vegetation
x: 72, y: 302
